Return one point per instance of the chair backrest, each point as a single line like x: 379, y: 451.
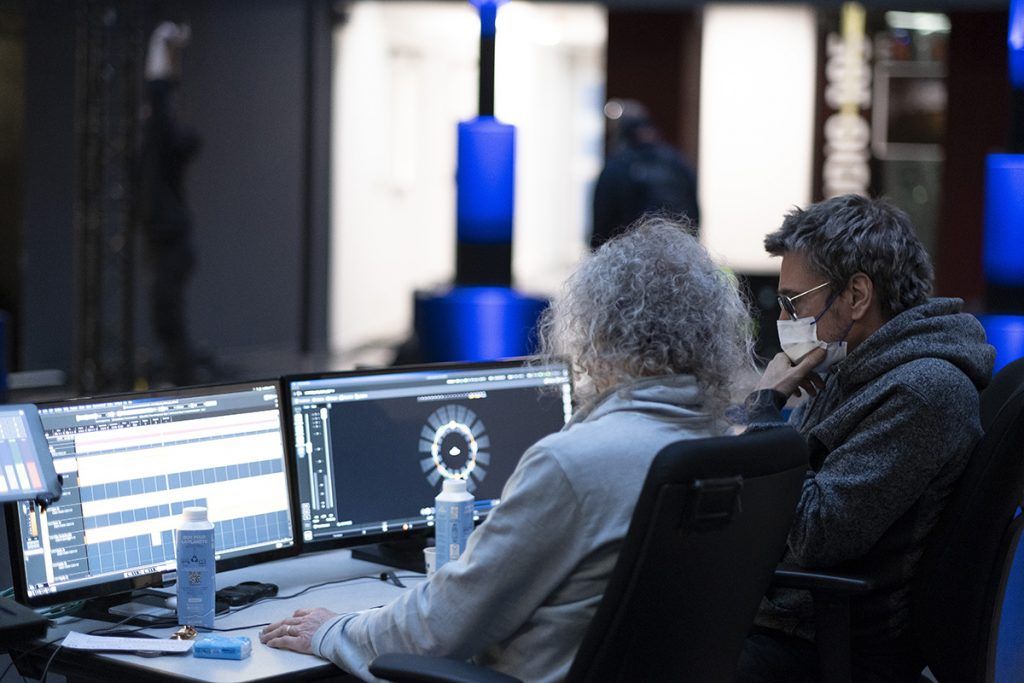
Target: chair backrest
x: 708, y: 530
x: 1006, y: 383
x: 963, y: 572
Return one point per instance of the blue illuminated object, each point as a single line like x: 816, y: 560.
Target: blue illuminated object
x: 1006, y: 334
x: 481, y: 318
x: 1015, y: 42
x: 1004, y: 219
x: 476, y: 323
x: 1010, y: 638
x: 488, y: 15
x: 486, y: 178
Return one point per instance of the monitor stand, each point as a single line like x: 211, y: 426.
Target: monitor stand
x: 19, y: 623
x: 406, y: 553
x: 144, y: 607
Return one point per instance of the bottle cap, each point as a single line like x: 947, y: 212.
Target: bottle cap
x: 454, y: 486
x: 196, y: 514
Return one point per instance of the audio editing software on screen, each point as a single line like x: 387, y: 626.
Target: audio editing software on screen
x: 130, y: 466
x: 371, y: 450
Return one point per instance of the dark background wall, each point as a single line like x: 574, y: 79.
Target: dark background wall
x: 654, y: 57
x: 47, y: 275
x: 978, y: 122
x: 12, y: 85
x: 256, y: 87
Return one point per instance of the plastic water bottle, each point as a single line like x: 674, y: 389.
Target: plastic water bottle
x: 453, y: 520
x: 197, y: 571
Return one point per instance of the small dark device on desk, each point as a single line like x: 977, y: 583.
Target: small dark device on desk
x: 26, y: 475
x: 246, y: 592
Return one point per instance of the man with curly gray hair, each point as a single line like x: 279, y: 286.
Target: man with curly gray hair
x: 893, y: 378
x: 655, y: 333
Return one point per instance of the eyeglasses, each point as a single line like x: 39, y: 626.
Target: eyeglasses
x: 786, y: 302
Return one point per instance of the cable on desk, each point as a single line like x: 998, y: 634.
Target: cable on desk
x: 236, y: 610
x: 57, y: 649
x: 174, y: 622
x: 363, y: 577
x: 27, y: 652
x: 46, y: 669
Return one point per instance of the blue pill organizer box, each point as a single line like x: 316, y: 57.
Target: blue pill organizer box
x: 222, y: 647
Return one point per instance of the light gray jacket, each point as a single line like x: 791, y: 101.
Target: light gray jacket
x: 523, y: 593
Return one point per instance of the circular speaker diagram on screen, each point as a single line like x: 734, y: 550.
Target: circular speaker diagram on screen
x: 454, y: 445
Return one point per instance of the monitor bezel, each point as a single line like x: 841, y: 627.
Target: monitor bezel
x: 158, y: 578
x: 397, y: 535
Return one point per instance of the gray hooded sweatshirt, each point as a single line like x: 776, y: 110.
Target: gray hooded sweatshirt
x: 521, y: 596
x: 889, y: 435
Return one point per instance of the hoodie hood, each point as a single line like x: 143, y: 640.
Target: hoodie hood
x: 936, y: 329
x: 672, y: 397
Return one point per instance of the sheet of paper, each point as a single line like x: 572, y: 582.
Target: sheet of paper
x: 84, y: 641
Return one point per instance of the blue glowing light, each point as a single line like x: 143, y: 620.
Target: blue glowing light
x: 1004, y: 219
x: 1006, y: 333
x: 476, y: 323
x: 1015, y: 42
x: 488, y: 15
x: 485, y: 181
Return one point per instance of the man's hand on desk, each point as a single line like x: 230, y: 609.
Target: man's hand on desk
x: 296, y: 632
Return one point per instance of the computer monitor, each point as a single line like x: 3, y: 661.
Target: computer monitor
x: 130, y: 464
x: 26, y: 468
x: 370, y: 448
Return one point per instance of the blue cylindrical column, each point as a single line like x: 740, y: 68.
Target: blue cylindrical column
x: 486, y: 187
x: 1004, y: 220
x: 1004, y: 256
x: 486, y: 181
x: 481, y: 317
x: 476, y: 323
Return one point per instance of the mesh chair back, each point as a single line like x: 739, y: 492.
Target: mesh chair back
x: 708, y: 530
x: 961, y: 579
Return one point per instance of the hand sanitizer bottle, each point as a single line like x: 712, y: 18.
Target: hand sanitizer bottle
x: 197, y: 569
x: 453, y: 520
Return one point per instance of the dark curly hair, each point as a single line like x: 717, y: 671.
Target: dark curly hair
x: 851, y: 234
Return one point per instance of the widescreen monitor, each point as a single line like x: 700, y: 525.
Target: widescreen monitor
x: 370, y: 449
x: 130, y: 464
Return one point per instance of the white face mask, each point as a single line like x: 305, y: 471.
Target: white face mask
x: 800, y: 337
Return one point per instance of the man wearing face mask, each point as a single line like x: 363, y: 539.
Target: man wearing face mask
x: 892, y: 378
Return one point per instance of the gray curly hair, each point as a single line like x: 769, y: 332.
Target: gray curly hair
x: 851, y: 234
x: 650, y: 303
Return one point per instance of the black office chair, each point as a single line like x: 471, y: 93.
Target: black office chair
x: 708, y: 529
x: 1005, y: 383
x: 962, y: 579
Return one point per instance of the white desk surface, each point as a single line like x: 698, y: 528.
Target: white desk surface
x: 291, y: 575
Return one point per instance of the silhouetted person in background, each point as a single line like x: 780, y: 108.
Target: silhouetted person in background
x: 642, y: 174
x: 167, y: 147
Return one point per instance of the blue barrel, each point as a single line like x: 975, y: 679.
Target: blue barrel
x: 1004, y: 220
x: 476, y: 323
